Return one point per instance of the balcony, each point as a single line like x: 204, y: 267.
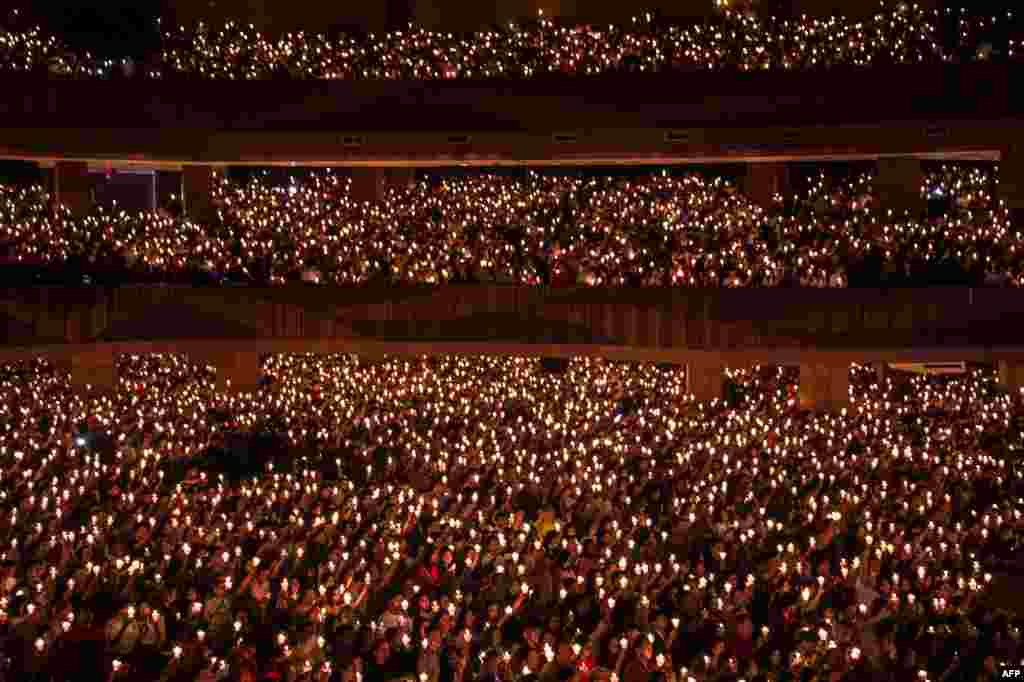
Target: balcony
x: 928, y: 110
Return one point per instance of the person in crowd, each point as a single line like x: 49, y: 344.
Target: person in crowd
x: 740, y: 36
x: 659, y: 230
x: 556, y: 536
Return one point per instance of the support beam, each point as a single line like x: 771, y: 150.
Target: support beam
x: 705, y: 380
x: 367, y: 184
x: 196, y: 186
x: 898, y: 185
x: 93, y: 372
x: 1011, y: 375
x: 237, y: 372
x: 368, y: 357
x: 51, y: 323
x: 168, y: 189
x: 882, y: 372
x: 72, y: 186
x: 764, y: 181
x: 1010, y: 190
x: 371, y: 184
x: 824, y: 386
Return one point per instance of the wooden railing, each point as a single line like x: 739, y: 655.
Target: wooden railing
x: 643, y: 318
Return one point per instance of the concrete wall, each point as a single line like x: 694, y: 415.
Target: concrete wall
x: 73, y: 186
x: 132, y: 191
x: 237, y: 372
x: 824, y: 385
x: 93, y: 371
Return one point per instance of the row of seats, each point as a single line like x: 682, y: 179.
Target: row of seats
x: 899, y: 33
x: 655, y: 230
x: 479, y: 519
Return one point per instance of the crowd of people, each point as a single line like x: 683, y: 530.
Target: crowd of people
x: 448, y: 518
x: 663, y: 229
x: 900, y: 33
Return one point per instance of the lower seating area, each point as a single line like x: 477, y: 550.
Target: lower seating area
x: 460, y: 518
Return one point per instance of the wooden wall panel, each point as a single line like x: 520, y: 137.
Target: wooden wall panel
x: 651, y: 319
